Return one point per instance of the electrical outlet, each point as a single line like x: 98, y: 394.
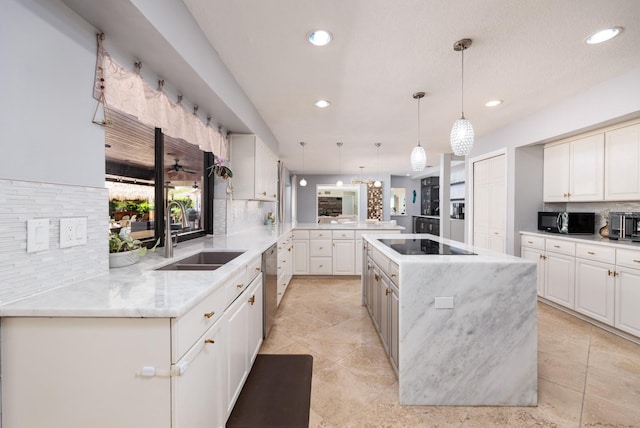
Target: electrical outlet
x: 73, y: 231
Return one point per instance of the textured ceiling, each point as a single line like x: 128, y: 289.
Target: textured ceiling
x: 531, y: 54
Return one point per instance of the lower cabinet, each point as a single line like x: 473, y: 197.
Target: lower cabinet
x: 599, y: 280
x: 181, y: 372
x: 343, y: 257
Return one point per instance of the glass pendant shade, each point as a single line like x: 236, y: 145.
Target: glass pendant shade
x: 418, y: 158
x: 377, y: 183
x: 339, y: 183
x: 303, y: 182
x: 461, y: 137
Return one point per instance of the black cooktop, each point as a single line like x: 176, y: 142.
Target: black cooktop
x: 408, y: 246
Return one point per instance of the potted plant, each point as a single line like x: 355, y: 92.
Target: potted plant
x: 220, y: 169
x: 125, y: 251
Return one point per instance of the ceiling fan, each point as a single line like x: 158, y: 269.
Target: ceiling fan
x: 176, y: 167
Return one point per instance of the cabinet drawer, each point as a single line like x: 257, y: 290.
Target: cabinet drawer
x: 560, y: 246
x: 628, y: 258
x: 238, y: 282
x: 597, y: 253
x: 381, y: 260
x: 186, y: 329
x: 320, y: 234
x: 283, y: 241
x: 300, y: 234
x: 533, y: 242
x: 320, y: 247
x: 342, y: 234
x: 394, y: 272
x: 320, y: 265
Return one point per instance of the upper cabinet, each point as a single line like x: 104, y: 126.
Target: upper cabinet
x: 255, y: 169
x: 622, y: 164
x: 574, y: 171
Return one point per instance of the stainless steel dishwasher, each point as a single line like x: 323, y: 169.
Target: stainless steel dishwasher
x: 269, y: 287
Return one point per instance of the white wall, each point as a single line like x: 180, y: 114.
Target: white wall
x: 413, y: 208
x: 610, y: 102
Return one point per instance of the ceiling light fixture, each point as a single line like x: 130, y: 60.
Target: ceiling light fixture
x: 303, y: 182
x: 322, y: 103
x: 418, y: 155
x: 462, y: 131
x: 320, y: 37
x: 378, y: 183
x: 339, y: 183
x: 493, y: 103
x: 603, y: 35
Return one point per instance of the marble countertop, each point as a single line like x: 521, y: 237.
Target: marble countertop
x: 482, y: 255
x: 140, y: 290
x: 595, y: 239
x: 387, y: 225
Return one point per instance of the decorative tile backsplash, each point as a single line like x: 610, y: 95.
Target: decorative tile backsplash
x: 23, y: 274
x: 596, y: 207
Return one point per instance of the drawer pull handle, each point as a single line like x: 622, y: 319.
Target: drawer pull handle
x: 321, y: 266
x: 321, y: 248
x: 530, y: 242
x: 386, y: 292
x: 257, y: 269
x: 376, y: 276
x: 264, y: 193
x: 393, y: 275
x: 239, y: 285
x: 289, y: 249
x: 591, y: 252
x: 556, y: 246
x: 369, y: 267
x: 209, y: 314
x: 615, y: 274
x: 252, y: 300
x: 637, y: 261
x: 209, y: 341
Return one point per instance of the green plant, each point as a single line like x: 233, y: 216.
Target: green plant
x: 120, y: 244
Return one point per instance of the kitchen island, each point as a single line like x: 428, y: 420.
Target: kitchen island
x: 459, y: 323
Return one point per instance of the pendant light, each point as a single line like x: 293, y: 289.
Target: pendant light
x: 339, y: 183
x: 377, y: 183
x: 462, y: 131
x: 418, y: 155
x: 303, y: 181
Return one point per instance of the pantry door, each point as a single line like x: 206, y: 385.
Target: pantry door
x: 490, y: 203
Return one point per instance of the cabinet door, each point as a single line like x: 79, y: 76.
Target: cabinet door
x: 301, y: 257
x: 253, y: 299
x: 595, y: 290
x: 199, y: 392
x: 556, y: 173
x: 622, y: 164
x: 559, y: 279
x: 343, y: 257
x: 375, y: 295
x: 586, y: 180
x: 628, y: 300
x: 266, y: 173
x: 358, y: 257
x: 538, y: 257
x: 394, y: 330
x: 237, y: 349
x: 368, y: 288
x: 385, y: 310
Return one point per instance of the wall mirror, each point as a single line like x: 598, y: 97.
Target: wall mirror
x: 398, y: 201
x: 337, y: 204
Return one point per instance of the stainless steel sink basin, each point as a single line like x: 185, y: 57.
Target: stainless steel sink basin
x: 204, y: 260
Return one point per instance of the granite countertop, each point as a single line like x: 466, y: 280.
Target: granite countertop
x: 482, y: 255
x: 592, y: 239
x: 140, y: 290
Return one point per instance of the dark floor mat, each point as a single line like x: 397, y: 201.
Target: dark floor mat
x: 277, y: 393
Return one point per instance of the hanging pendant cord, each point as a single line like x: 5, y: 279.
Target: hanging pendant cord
x: 418, y: 121
x: 462, y: 81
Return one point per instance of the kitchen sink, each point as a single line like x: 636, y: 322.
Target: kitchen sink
x: 204, y: 260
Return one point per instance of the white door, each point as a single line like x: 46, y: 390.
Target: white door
x: 237, y: 350
x: 556, y: 173
x: 490, y: 203
x: 300, y: 257
x: 595, y: 290
x: 628, y: 300
x: 622, y: 164
x: 253, y: 296
x: 343, y: 257
x: 559, y: 279
x: 538, y: 257
x: 586, y: 181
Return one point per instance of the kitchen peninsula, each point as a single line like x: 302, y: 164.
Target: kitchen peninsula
x: 458, y: 322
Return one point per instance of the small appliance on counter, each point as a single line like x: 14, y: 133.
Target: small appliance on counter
x: 566, y: 222
x: 624, y: 226
x: 457, y: 210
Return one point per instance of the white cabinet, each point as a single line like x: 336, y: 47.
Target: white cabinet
x: 622, y: 164
x: 560, y: 271
x: 595, y: 282
x: 627, y: 317
x: 255, y: 169
x: 537, y: 256
x: 574, y: 171
x: 343, y: 252
x: 300, y: 252
x: 244, y: 339
x: 285, y: 264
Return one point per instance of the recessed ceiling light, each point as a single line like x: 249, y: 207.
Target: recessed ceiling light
x: 603, y: 35
x: 320, y: 37
x: 493, y: 103
x: 322, y: 103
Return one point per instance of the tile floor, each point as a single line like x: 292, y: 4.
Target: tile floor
x: 587, y: 377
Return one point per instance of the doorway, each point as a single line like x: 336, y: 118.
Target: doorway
x: 490, y: 203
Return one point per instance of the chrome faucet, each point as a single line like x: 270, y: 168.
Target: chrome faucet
x: 168, y: 238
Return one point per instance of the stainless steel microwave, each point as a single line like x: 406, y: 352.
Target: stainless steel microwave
x: 566, y: 222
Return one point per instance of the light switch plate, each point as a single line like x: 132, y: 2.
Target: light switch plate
x: 73, y: 231
x: 37, y: 234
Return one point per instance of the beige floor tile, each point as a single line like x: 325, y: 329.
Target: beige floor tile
x: 601, y: 413
x: 275, y: 341
x: 573, y: 348
x: 300, y: 325
x: 620, y: 390
x: 334, y: 343
x: 614, y: 354
x: 562, y: 371
x: 369, y: 363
